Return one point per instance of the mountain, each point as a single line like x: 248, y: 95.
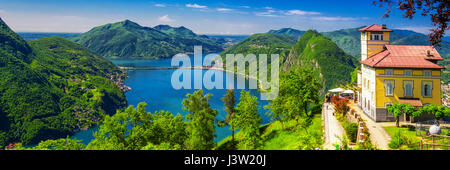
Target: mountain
x: 350, y: 40
x: 264, y: 43
x: 296, y: 34
x: 128, y: 39
x: 176, y: 31
x: 320, y: 53
x: 51, y: 87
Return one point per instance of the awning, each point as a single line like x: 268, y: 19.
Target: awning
x: 336, y: 90
x: 348, y: 92
x: 413, y: 102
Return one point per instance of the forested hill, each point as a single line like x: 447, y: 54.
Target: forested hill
x: 314, y: 50
x: 128, y: 39
x: 296, y: 34
x: 51, y: 87
x: 265, y: 43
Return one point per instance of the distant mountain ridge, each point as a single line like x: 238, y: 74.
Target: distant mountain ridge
x: 128, y: 39
x: 296, y: 34
x: 51, y: 87
x: 349, y: 39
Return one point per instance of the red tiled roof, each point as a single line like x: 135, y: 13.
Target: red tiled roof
x: 405, y: 56
x: 375, y: 27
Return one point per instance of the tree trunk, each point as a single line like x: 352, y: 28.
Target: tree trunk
x: 232, y: 134
x: 397, y: 121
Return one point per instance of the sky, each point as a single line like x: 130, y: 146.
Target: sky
x: 238, y: 17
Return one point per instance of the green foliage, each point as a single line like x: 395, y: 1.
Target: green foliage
x: 230, y: 103
x: 298, y: 94
x: 398, y: 109
x: 275, y: 137
x: 261, y: 44
x: 135, y: 129
x: 354, y: 76
x: 402, y: 141
x: 162, y: 146
x: 332, y: 65
x: 296, y: 34
x: 439, y: 112
x: 127, y: 39
x: 248, y: 120
x: 200, y: 128
x: 43, y: 94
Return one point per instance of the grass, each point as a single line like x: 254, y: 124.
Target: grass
x: 292, y: 137
x: 404, y: 138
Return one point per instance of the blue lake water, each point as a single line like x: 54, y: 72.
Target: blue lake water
x: 154, y: 87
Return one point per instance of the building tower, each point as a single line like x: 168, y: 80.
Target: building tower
x: 373, y: 40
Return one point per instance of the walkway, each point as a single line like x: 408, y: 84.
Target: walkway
x: 378, y: 136
x: 332, y: 127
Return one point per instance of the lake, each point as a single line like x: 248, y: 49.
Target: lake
x: 154, y: 87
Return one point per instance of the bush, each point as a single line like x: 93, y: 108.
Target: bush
x: 351, y: 129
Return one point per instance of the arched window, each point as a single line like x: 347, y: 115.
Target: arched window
x: 408, y: 87
x: 427, y: 88
x: 389, y: 88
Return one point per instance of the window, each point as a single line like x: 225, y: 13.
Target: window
x: 376, y: 36
x: 389, y: 87
x: 408, y: 73
x: 408, y: 88
x: 389, y: 72
x: 427, y: 88
x: 427, y: 73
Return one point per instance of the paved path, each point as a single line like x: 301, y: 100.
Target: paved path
x: 378, y: 136
x: 332, y: 127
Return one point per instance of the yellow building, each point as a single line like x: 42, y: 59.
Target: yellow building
x: 395, y: 74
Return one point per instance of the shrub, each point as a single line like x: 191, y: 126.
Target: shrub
x: 351, y: 129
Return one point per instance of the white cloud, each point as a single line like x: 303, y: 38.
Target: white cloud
x: 245, y: 7
x: 300, y: 12
x: 334, y: 18
x: 160, y: 5
x: 224, y: 9
x: 196, y: 6
x: 165, y: 18
x: 268, y: 13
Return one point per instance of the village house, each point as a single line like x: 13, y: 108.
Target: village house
x: 395, y: 74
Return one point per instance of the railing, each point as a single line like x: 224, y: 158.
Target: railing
x: 424, y: 145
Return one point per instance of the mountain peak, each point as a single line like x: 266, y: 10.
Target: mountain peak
x: 12, y: 42
x: 129, y: 23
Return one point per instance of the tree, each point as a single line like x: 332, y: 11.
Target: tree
x: 248, y: 120
x: 439, y: 112
x: 200, y: 128
x: 438, y: 10
x: 230, y: 103
x: 298, y: 93
x: 134, y: 128
x: 398, y: 109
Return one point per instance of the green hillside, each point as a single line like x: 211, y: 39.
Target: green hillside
x: 127, y: 39
x: 265, y: 43
x: 51, y: 87
x: 296, y: 34
x: 350, y: 40
x: 330, y: 63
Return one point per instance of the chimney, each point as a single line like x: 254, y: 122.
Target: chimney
x: 383, y: 26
